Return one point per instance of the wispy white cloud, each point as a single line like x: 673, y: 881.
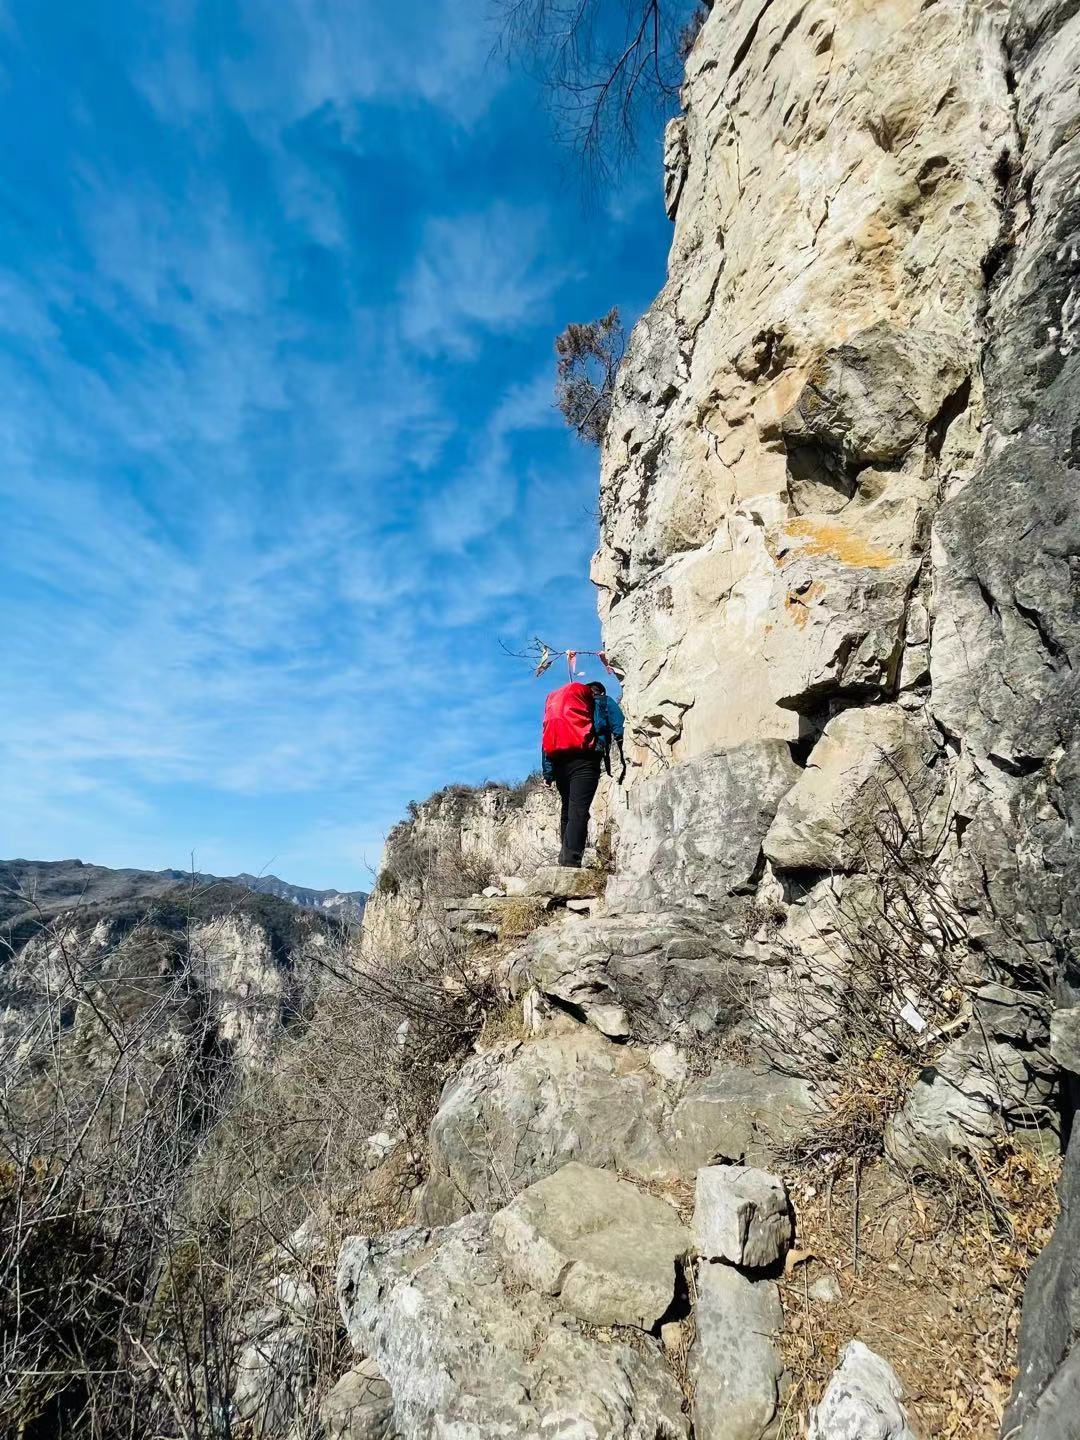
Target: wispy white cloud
x: 484, y: 272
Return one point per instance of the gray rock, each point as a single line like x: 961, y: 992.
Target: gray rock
x: 675, y: 161
x: 606, y: 1248
x: 1046, y: 1395
x: 862, y: 1400
x: 693, y: 832
x: 955, y: 1105
x: 360, y: 1406
x: 466, y: 1358
x: 741, y: 1215
x: 874, y: 396
x: 517, y: 1113
x: 740, y: 1113
x: 978, y: 1087
x: 826, y: 1289
x: 651, y: 976
x: 736, y: 1371
x: 867, y: 764
x: 1065, y: 1038
x: 271, y: 1383
x: 563, y: 882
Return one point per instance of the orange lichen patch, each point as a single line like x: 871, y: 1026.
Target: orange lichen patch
x: 798, y: 602
x: 827, y: 537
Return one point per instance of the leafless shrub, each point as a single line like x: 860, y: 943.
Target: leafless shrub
x: 605, y: 63
x: 158, y: 1185
x: 884, y: 978
x: 588, y: 359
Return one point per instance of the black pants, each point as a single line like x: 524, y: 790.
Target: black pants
x: 577, y: 774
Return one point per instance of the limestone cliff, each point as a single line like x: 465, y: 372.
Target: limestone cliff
x: 653, y: 1150
x: 839, y: 511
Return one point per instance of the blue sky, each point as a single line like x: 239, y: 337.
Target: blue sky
x: 279, y: 281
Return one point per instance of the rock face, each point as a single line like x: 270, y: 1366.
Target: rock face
x: 360, y: 1406
x: 466, y: 1357
x: 867, y: 763
x: 650, y: 976
x: 735, y: 1368
x: 839, y: 511
x: 790, y: 407
x: 695, y: 831
x: 515, y: 1115
x: 220, y: 967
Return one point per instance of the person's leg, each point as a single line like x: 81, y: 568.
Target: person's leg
x: 562, y: 784
x: 584, y: 777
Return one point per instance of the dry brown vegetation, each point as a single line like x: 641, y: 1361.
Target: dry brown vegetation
x: 930, y: 1276
x: 157, y: 1186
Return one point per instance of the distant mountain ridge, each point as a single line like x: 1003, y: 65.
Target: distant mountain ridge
x: 55, y: 885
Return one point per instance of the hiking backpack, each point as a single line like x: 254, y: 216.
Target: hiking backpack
x: 568, y: 719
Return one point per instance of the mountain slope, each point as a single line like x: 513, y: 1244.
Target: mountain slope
x: 30, y: 887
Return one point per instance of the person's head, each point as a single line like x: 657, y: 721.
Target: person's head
x: 596, y: 687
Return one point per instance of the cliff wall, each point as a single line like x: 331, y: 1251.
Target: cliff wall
x: 840, y: 526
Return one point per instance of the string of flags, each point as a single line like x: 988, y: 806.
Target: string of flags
x: 548, y: 656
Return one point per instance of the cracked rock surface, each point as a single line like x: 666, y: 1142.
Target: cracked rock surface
x: 466, y: 1358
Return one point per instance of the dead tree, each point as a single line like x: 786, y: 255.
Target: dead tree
x: 605, y: 63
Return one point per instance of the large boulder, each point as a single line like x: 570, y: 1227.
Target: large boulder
x: 468, y: 1358
x: 736, y: 1370
x: 871, y: 771
x: 272, y: 1377
x: 741, y: 1215
x: 740, y: 1113
x: 360, y: 1406
x: 693, y: 832
x: 997, y: 1076
x: 519, y: 1112
x: 563, y: 882
x: 871, y: 398
x: 862, y: 1400
x: 606, y: 1248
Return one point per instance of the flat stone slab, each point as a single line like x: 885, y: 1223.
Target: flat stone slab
x: 739, y: 1113
x: 606, y: 1248
x: 563, y: 882
x: 360, y: 1406
x: 1065, y: 1038
x: 468, y: 1356
x: 736, y: 1369
x: 741, y: 1215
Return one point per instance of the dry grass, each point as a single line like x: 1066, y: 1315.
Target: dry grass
x: 502, y: 1025
x: 931, y: 1277
x: 520, y: 916
x: 860, y: 1101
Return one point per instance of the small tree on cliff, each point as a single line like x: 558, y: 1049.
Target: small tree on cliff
x: 587, y: 362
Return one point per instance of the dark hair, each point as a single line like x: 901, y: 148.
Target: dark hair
x: 596, y: 685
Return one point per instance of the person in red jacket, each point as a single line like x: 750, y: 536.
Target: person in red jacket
x: 573, y: 754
